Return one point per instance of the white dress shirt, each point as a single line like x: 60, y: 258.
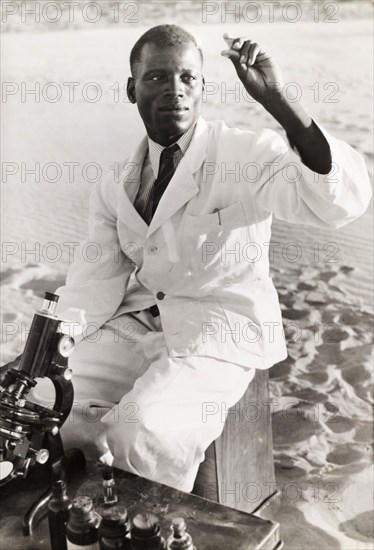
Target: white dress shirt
x: 151, y: 167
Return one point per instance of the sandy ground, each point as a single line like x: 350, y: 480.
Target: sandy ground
x: 322, y: 392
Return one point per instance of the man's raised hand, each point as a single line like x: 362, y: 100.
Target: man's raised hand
x: 256, y: 69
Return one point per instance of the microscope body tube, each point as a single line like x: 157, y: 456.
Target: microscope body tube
x: 39, y: 341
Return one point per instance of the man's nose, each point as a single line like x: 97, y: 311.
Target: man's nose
x: 173, y: 87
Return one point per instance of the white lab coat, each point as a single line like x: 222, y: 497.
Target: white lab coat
x: 206, y: 248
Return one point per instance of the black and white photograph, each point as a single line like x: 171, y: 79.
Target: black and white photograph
x: 187, y: 275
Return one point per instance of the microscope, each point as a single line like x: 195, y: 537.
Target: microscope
x: 30, y: 432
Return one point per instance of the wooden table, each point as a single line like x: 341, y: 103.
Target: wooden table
x: 212, y: 525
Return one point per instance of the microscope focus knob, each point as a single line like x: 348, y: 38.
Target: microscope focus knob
x: 65, y: 372
x: 41, y: 456
x: 65, y: 345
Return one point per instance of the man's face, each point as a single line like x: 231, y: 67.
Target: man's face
x: 167, y: 87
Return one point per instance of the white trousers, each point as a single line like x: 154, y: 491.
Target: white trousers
x: 151, y: 412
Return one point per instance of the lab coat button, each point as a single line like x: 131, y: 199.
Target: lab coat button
x: 160, y: 295
x: 152, y: 249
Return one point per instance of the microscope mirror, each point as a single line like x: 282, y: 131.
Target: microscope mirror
x: 6, y: 469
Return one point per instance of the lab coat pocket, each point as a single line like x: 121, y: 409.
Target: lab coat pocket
x: 213, y: 242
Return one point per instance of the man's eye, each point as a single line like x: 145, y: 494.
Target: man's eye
x: 189, y: 77
x: 155, y: 77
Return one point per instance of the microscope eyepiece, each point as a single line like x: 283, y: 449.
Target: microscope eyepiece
x: 51, y: 297
x: 50, y: 302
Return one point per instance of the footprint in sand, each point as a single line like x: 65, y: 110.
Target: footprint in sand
x: 340, y: 424
x: 305, y: 286
x: 337, y: 289
x: 315, y: 298
x: 293, y: 425
x: 344, y: 454
x: 8, y: 274
x: 37, y: 278
x: 9, y: 317
x: 295, y: 314
x: 364, y: 432
x: 346, y: 269
x: 327, y: 275
x: 360, y: 527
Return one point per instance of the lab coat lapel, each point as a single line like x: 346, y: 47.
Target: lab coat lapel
x: 128, y: 189
x: 182, y: 186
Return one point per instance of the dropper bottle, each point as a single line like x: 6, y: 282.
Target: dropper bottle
x: 58, y: 514
x: 82, y: 530
x: 179, y: 539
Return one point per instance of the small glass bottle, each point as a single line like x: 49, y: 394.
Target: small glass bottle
x: 146, y: 533
x: 179, y: 539
x: 82, y: 530
x: 114, y: 529
x: 109, y: 487
x: 58, y: 514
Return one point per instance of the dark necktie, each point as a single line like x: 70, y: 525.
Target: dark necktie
x: 168, y: 165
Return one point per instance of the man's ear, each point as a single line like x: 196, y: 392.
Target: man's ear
x: 131, y: 89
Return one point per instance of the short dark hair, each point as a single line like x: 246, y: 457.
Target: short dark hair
x: 163, y: 36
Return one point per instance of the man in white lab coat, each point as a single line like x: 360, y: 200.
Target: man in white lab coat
x: 178, y: 310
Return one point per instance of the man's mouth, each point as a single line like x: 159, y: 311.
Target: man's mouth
x: 174, y: 107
